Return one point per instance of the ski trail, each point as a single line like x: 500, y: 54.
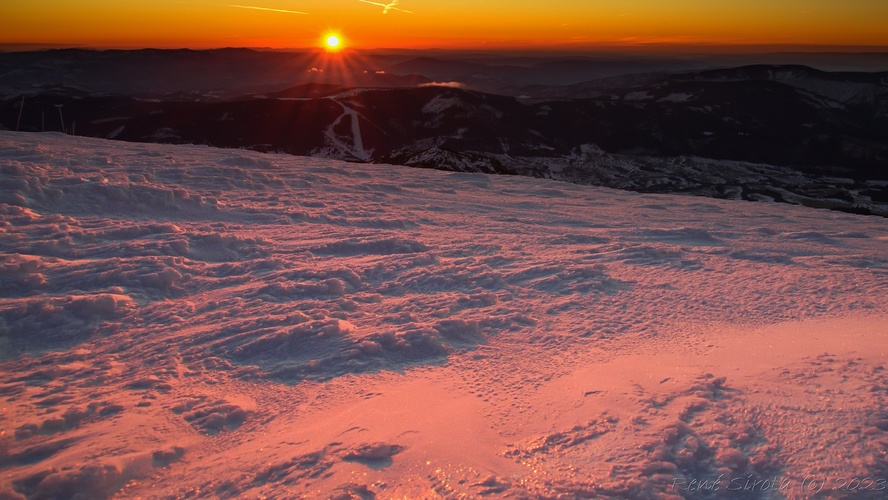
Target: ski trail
x: 357, y: 150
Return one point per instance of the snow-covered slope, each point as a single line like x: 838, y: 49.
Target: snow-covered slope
x: 192, y: 322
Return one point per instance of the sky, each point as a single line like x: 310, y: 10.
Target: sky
x: 445, y: 24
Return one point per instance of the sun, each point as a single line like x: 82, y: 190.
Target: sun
x: 333, y: 42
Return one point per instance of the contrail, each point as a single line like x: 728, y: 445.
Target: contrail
x: 386, y: 7
x: 270, y: 10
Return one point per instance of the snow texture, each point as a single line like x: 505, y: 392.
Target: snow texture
x: 181, y: 321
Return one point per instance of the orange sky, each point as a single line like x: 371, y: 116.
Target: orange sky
x: 465, y: 24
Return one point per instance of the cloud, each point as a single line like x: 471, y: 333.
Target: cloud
x: 386, y: 7
x: 267, y: 9
x: 456, y: 85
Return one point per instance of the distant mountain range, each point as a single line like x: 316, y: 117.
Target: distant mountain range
x: 650, y: 131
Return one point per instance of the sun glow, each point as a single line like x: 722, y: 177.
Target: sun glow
x: 461, y: 24
x: 333, y: 42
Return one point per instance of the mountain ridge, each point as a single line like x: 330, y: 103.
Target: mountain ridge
x: 791, y: 118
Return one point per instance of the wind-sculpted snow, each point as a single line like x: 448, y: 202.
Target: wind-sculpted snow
x: 187, y: 321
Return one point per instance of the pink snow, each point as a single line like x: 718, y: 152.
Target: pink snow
x: 182, y: 321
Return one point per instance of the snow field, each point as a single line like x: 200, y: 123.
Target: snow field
x: 180, y: 320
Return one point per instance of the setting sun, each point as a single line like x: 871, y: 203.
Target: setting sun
x: 333, y: 42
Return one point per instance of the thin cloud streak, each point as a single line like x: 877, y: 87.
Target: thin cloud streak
x: 386, y: 7
x: 268, y: 9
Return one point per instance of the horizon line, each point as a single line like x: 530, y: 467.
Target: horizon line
x: 658, y: 47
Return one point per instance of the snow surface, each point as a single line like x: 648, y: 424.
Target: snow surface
x: 181, y: 321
